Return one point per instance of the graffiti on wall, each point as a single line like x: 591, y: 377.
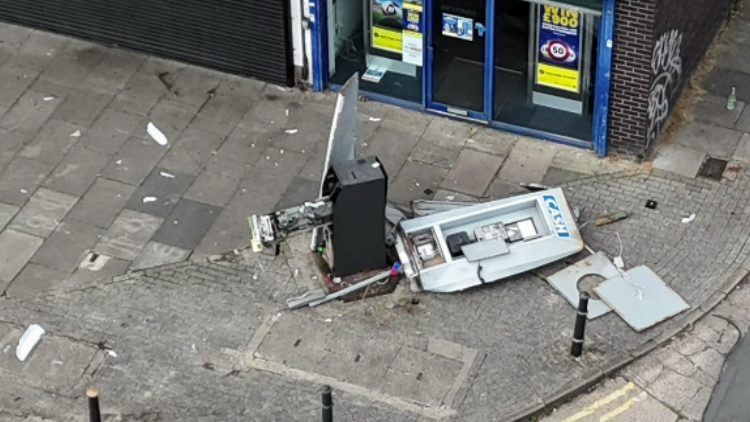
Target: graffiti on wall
x: 666, y: 68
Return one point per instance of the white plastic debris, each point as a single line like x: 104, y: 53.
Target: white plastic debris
x: 149, y: 199
x: 375, y: 119
x: 450, y: 197
x: 328, y: 320
x: 193, y: 347
x: 24, y: 191
x: 76, y: 134
x: 688, y: 219
x: 286, y: 112
x: 619, y: 263
x: 167, y: 175
x: 281, y: 151
x: 156, y: 134
x: 375, y: 165
x: 291, y: 131
x: 48, y: 98
x: 112, y: 353
x: 118, y: 162
x: 28, y: 341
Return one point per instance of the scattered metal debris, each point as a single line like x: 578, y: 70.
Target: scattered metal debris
x: 609, y: 219
x: 534, y: 187
x: 350, y: 289
x: 305, y: 299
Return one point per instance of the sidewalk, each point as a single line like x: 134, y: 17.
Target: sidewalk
x: 77, y: 166
x: 198, y: 341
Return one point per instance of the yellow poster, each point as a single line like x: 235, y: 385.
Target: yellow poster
x: 386, y: 39
x: 558, y: 77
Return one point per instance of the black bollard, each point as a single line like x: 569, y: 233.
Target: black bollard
x: 327, y: 404
x: 580, y: 330
x: 94, y: 412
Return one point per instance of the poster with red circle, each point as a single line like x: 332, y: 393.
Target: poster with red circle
x: 558, y: 64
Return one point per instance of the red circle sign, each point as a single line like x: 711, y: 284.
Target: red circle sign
x: 558, y: 51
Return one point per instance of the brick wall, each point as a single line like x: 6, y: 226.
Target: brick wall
x: 634, y: 29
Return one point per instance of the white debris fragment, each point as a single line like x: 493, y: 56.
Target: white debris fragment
x: 375, y: 119
x: 112, y: 353
x: 276, y: 164
x: 296, y: 272
x: 24, y: 191
x: 619, y: 263
x: 688, y: 219
x: 255, y: 276
x: 328, y: 319
x: 149, y: 199
x: 450, y: 197
x: 48, y: 98
x: 156, y: 134
x: 76, y: 134
x: 281, y: 151
x: 280, y: 88
x: 167, y: 175
x: 291, y: 131
x: 417, y: 184
x: 118, y: 162
x: 28, y: 341
x: 286, y: 112
x: 6, y: 349
x: 252, y: 145
x: 194, y: 349
x: 268, y: 157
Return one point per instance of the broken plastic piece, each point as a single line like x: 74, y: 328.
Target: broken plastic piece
x: 688, y: 219
x: 48, y: 98
x: 167, y: 175
x: 609, y: 219
x: 156, y: 134
x: 28, y: 341
x: 76, y: 134
x: 375, y: 119
x: 292, y: 131
x: 619, y: 262
x: 148, y: 199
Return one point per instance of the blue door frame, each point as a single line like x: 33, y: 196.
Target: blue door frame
x: 319, y: 31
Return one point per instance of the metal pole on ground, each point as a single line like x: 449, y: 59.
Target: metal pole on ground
x: 94, y: 412
x: 327, y: 404
x: 580, y: 329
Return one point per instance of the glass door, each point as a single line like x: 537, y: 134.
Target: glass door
x: 458, y: 54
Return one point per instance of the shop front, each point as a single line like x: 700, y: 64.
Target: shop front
x: 539, y: 68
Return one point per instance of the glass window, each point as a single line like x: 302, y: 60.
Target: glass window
x: 545, y: 68
x: 380, y: 39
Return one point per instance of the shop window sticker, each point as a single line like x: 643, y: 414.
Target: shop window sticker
x: 458, y: 27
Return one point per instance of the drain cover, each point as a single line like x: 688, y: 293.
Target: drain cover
x: 713, y: 168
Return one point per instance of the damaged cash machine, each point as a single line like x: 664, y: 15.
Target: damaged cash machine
x: 446, y: 251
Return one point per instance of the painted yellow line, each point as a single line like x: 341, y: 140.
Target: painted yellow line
x: 588, y: 411
x: 624, y: 408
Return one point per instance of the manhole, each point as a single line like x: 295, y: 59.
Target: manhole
x: 713, y: 168
x: 587, y: 284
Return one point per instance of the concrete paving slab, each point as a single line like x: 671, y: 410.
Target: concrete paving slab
x: 167, y: 191
x: 499, y: 189
x: 102, y: 268
x: 82, y: 107
x: 35, y: 278
x: 576, y: 160
x: 16, y: 249
x: 76, y: 61
x: 415, y: 181
x: 244, y: 204
x: 680, y: 160
x: 172, y: 117
x: 30, y: 112
x: 221, y: 240
x: 450, y: 196
x: 738, y: 31
x: 246, y: 144
x: 313, y: 168
x: 156, y: 65
x: 113, y: 70
x: 421, y: 376
x: 51, y: 143
x: 67, y: 246
x: 472, y: 173
x: 156, y: 254
x: 39, y: 49
x: 715, y: 141
x: 742, y: 153
x: 299, y: 191
x: 713, y: 109
x: 492, y: 141
x: 135, y: 161
x: 556, y: 176
x: 274, y: 172
x: 720, y: 83
x: 217, y: 183
x: 103, y: 141
x: 128, y: 234
x: 194, y: 84
x: 392, y: 146
x: 306, y: 130
x: 139, y: 95
x: 43, y: 213
x: 441, y: 143
x: 528, y: 161
x: 12, y: 144
x: 743, y: 122
x: 7, y: 212
x: 102, y: 202
x: 113, y: 121
x: 14, y: 36
x: 20, y: 179
x: 732, y: 57
x: 191, y: 152
x: 187, y: 224
x: 221, y: 113
x: 14, y: 80
x: 408, y: 121
x: 77, y: 171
